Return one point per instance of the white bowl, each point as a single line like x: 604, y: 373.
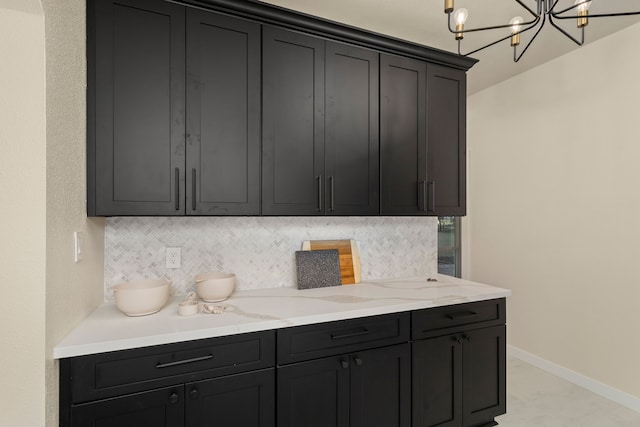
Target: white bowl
x: 216, y: 286
x: 141, y: 297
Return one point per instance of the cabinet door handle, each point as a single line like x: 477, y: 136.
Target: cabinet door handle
x: 194, y: 393
x: 344, y: 363
x: 331, y: 194
x: 177, y: 187
x: 457, y: 339
x: 466, y: 337
x: 174, y: 398
x: 319, y: 179
x: 358, y: 361
x: 431, y: 193
x: 422, y: 196
x: 461, y: 315
x: 364, y: 331
x: 184, y: 362
x: 193, y: 189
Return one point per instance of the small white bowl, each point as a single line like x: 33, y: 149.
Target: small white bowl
x: 216, y: 286
x: 141, y: 297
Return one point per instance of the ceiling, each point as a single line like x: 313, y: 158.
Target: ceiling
x: 424, y: 22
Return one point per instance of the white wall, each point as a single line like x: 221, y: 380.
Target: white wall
x: 23, y: 217
x: 554, y: 202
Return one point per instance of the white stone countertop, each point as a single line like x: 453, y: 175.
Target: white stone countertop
x: 107, y: 329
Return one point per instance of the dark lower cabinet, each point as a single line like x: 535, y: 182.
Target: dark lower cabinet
x: 460, y: 379
x: 368, y: 388
x: 359, y: 372
x: 159, y: 408
x: 241, y: 400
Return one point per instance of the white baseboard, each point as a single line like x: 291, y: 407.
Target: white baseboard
x: 608, y: 392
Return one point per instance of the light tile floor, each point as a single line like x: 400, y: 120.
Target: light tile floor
x: 536, y: 398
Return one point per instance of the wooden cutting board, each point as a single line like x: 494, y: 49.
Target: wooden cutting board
x: 348, y: 254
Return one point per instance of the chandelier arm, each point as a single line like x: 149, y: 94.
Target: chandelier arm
x: 598, y: 15
x: 499, y: 40
x: 517, y: 58
x: 573, y: 39
x: 572, y: 7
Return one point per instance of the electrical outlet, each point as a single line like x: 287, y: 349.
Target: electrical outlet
x: 172, y: 259
x: 77, y: 246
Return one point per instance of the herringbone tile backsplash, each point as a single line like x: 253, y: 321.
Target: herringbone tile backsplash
x: 260, y: 250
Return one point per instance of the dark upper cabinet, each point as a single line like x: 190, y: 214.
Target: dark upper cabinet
x: 352, y: 164
x: 423, y: 138
x: 196, y: 112
x: 136, y: 108
x: 403, y: 135
x: 320, y: 130
x: 293, y: 123
x: 223, y: 115
x: 151, y: 152
x: 446, y: 141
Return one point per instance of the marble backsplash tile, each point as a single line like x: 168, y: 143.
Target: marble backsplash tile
x: 260, y: 250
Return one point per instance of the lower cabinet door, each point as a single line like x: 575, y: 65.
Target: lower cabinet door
x: 242, y: 400
x: 437, y: 382
x: 381, y: 387
x: 484, y: 378
x: 314, y: 393
x: 159, y: 408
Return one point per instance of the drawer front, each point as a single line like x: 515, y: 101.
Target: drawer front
x: 327, y: 339
x: 431, y: 322
x: 111, y: 374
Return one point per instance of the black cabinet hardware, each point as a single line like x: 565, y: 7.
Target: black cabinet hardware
x: 184, y: 362
x: 343, y: 335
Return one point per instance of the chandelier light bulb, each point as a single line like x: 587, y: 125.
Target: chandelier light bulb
x: 516, y: 24
x: 460, y: 16
x: 582, y: 5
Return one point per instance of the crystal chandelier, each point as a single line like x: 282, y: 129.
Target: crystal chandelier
x: 546, y: 10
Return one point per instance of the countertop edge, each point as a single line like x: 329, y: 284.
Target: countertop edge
x: 67, y: 348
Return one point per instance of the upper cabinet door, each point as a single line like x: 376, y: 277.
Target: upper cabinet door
x: 446, y: 141
x: 352, y: 165
x: 403, y: 142
x: 293, y: 123
x: 136, y: 108
x: 223, y: 115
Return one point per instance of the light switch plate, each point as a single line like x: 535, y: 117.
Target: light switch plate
x: 77, y: 246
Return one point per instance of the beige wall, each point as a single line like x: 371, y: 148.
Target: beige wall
x: 73, y: 290
x: 554, y: 204
x: 23, y: 217
x: 42, y: 182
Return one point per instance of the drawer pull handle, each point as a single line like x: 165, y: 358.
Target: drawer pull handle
x: 364, y: 331
x: 184, y: 362
x: 461, y: 315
